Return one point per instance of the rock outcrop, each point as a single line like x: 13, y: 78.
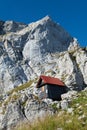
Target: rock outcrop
x: 27, y: 51
x: 25, y: 106
x: 13, y: 115
x: 10, y: 26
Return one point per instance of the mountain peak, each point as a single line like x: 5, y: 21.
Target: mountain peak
x: 46, y: 37
x: 28, y: 46
x: 46, y: 18
x: 26, y: 52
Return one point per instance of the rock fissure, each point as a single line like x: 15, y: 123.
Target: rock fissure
x: 26, y: 52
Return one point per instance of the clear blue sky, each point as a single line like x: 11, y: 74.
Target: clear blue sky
x: 71, y: 14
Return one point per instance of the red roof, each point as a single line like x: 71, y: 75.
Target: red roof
x: 50, y: 80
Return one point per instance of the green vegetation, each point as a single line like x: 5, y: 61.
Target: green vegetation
x: 1, y: 100
x: 14, y: 95
x: 76, y: 120
x: 50, y: 72
x: 0, y: 104
x: 54, y: 106
x: 65, y: 121
x: 63, y: 78
x: 80, y: 104
x: 12, y: 98
x: 21, y: 87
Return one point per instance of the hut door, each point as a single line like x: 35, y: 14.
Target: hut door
x: 44, y: 91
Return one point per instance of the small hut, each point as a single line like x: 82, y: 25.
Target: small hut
x: 51, y: 87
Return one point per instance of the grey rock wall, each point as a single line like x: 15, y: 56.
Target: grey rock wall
x: 38, y: 48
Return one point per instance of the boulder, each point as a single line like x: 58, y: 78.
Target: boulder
x: 35, y: 110
x: 13, y: 115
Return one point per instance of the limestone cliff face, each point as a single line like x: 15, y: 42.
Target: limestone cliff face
x: 42, y: 47
x: 26, y: 52
x: 45, y: 37
x: 10, y: 26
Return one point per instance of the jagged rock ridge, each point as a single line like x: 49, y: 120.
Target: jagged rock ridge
x: 30, y: 50
x: 26, y: 51
x: 10, y: 26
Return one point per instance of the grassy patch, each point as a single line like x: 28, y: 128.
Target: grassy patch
x: 64, y: 120
x: 80, y: 104
x: 21, y: 87
x: 0, y: 104
x: 14, y: 95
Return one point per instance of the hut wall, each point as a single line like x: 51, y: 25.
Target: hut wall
x: 54, y: 91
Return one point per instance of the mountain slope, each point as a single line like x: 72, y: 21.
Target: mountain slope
x: 30, y: 50
x: 26, y: 52
x: 74, y: 118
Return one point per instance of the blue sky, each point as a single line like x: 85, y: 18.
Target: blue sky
x: 71, y: 14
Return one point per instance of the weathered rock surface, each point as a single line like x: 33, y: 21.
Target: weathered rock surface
x: 37, y: 110
x: 24, y: 108
x: 45, y: 37
x: 24, y: 105
x: 26, y: 51
x: 30, y: 50
x: 10, y: 26
x: 14, y: 114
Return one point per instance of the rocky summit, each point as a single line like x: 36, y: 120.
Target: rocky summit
x: 26, y: 52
